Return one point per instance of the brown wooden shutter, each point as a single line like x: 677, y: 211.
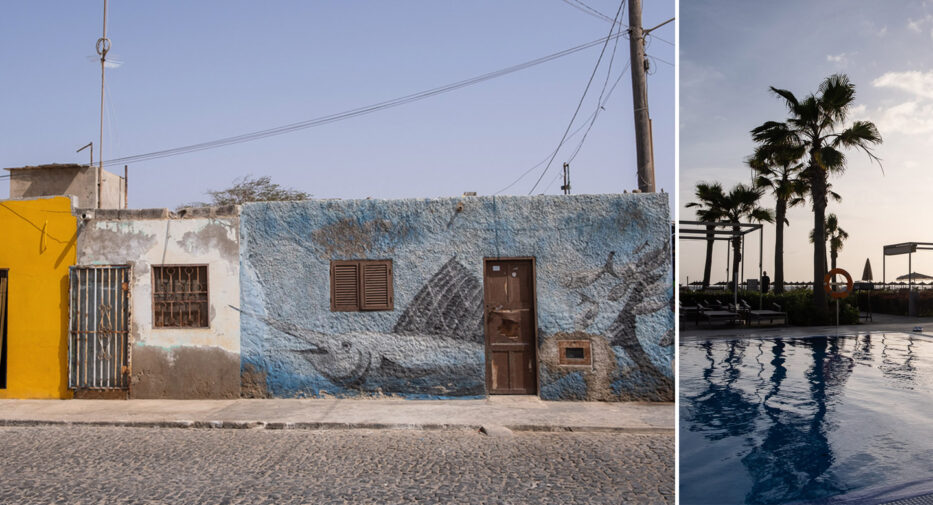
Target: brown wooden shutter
x: 345, y: 284
x: 377, y: 285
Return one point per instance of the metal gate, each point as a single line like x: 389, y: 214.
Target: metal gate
x: 98, y: 327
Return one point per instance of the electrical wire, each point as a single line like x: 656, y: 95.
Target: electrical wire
x: 586, y: 9
x: 586, y: 124
x: 599, y: 102
x: 580, y: 103
x: 331, y: 118
x: 542, y: 162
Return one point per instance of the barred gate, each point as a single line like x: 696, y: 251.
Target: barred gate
x: 98, y: 327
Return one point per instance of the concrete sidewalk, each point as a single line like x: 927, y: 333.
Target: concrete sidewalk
x: 514, y: 413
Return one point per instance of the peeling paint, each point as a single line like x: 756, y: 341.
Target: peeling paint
x: 153, y: 237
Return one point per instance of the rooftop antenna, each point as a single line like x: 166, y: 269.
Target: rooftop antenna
x: 103, y: 46
x: 91, y: 145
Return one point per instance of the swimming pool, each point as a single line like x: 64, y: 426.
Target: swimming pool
x: 816, y: 419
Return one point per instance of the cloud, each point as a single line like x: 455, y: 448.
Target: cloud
x: 911, y: 117
x: 841, y: 59
x: 919, y: 25
x: 914, y: 82
x: 914, y: 116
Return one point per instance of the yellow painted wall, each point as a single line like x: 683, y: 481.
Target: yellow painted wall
x: 37, y: 264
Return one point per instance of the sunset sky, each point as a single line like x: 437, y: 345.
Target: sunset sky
x: 732, y: 51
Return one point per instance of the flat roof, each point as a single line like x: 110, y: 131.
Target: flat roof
x: 48, y: 166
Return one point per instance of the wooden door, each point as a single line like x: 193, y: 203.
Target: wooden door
x: 510, y: 326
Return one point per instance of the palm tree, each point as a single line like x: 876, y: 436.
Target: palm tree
x: 777, y: 169
x: 741, y: 204
x: 816, y: 123
x: 709, y: 209
x: 835, y: 235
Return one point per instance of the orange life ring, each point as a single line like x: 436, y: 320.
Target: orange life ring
x: 829, y: 288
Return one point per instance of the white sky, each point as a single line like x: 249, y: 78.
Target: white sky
x: 732, y: 51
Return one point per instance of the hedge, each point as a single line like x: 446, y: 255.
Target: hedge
x: 895, y: 301
x: 797, y: 303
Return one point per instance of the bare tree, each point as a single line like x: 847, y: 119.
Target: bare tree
x: 249, y: 189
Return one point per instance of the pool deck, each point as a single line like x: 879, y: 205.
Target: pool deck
x: 880, y: 323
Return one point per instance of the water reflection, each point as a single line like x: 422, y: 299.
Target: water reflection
x: 723, y: 410
x: 779, y: 397
x: 792, y: 460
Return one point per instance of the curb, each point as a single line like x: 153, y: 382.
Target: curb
x: 250, y: 425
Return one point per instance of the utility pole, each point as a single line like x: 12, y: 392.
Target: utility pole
x: 566, y: 186
x: 103, y: 45
x: 643, y: 147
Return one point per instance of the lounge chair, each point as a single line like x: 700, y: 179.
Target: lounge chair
x: 690, y: 313
x: 770, y: 315
x: 718, y: 316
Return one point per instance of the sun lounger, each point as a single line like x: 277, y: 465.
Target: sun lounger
x: 770, y: 315
x: 690, y: 313
x: 713, y: 316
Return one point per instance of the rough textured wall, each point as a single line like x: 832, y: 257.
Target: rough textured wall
x: 603, y: 274
x: 36, y: 249
x: 168, y: 362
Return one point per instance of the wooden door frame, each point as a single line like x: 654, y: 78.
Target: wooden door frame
x: 534, y: 288
x: 4, y: 325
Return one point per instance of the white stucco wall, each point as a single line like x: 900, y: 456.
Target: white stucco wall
x: 152, y: 242
x: 173, y: 362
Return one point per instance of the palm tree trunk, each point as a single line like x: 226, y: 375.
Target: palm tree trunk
x: 736, y: 258
x: 818, y: 191
x: 780, y: 213
x: 825, y: 264
x: 708, y: 268
x: 833, y: 254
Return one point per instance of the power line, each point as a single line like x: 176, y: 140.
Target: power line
x: 279, y: 130
x: 588, y: 124
x: 585, y: 91
x: 599, y: 102
x: 542, y: 162
x: 586, y: 9
x: 596, y: 113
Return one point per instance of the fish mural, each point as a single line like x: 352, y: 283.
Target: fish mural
x: 602, y: 273
x: 436, y: 347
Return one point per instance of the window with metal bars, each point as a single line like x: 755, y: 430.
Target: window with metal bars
x: 179, y: 296
x: 358, y: 285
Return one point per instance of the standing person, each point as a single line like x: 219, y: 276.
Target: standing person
x: 765, y: 282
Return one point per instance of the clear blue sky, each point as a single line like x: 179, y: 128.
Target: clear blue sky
x: 732, y: 50
x: 197, y: 71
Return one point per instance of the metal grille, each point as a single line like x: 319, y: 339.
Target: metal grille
x: 179, y: 296
x: 98, y: 327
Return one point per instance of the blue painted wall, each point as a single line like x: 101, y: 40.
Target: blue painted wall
x: 603, y: 274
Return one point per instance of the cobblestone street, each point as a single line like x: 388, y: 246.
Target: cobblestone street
x: 71, y: 464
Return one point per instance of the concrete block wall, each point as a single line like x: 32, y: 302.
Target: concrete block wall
x: 603, y: 274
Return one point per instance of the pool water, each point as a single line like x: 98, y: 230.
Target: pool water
x: 819, y: 419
